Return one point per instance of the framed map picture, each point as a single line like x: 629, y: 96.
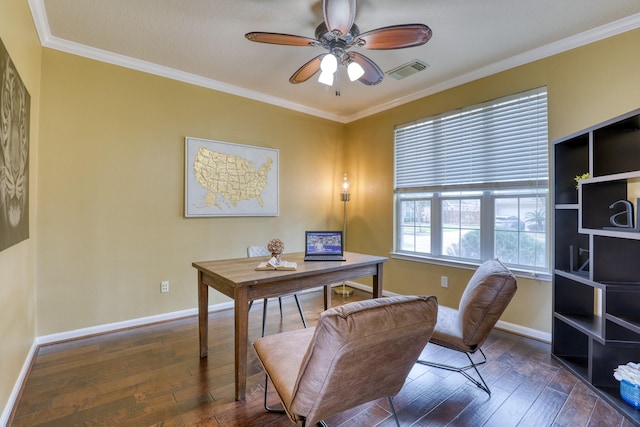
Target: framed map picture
x: 223, y: 179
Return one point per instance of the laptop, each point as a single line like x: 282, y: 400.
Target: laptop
x: 323, y: 246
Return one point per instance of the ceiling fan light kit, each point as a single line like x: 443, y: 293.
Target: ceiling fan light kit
x: 355, y: 71
x: 326, y: 78
x: 338, y: 33
x: 329, y: 64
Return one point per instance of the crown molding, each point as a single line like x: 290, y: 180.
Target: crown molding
x: 47, y: 40
x: 629, y: 23
x: 599, y: 33
x: 171, y: 73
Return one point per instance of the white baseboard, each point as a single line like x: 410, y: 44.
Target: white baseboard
x: 6, y: 412
x: 94, y: 330
x: 110, y: 327
x: 524, y: 331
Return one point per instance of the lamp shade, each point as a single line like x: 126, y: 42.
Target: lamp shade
x: 329, y: 64
x: 355, y: 71
x: 344, y: 195
x: 326, y: 78
x: 345, y: 183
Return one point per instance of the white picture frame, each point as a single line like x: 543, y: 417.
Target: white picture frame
x: 226, y: 179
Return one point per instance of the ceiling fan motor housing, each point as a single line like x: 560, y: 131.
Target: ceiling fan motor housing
x: 335, y: 42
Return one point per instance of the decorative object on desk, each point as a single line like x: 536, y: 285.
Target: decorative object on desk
x: 344, y: 290
x: 223, y: 179
x: 579, y: 178
x: 627, y: 213
x: 276, y: 247
x: 629, y: 377
x: 275, y: 263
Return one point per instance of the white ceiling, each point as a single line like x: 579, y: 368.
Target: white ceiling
x: 202, y: 42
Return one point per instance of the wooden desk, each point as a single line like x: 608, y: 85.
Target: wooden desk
x: 237, y: 279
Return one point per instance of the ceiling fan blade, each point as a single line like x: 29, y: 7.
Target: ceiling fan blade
x: 339, y: 14
x: 372, y: 73
x: 283, y: 39
x: 394, y: 37
x: 305, y: 72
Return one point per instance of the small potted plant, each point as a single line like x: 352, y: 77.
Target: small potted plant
x: 629, y: 377
x: 579, y: 178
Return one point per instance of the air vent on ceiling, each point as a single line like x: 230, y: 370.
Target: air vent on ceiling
x: 407, y: 69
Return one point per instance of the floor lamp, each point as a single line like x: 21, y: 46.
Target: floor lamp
x: 344, y: 290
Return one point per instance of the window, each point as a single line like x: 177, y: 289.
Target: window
x: 472, y: 184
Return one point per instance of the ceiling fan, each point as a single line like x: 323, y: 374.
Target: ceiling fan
x: 338, y: 34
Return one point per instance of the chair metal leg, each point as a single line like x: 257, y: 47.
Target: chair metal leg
x: 482, y: 385
x: 264, y: 317
x: 282, y: 411
x: 320, y: 423
x: 393, y: 410
x: 264, y: 312
x: 304, y: 322
x: 266, y: 407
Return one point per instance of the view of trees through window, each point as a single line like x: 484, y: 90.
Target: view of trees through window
x: 518, y: 227
x: 472, y: 184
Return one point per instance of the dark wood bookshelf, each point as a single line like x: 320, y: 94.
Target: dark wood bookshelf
x: 596, y: 279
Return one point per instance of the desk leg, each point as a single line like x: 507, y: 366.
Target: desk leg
x: 377, y: 282
x: 241, y: 311
x: 203, y: 315
x: 327, y: 297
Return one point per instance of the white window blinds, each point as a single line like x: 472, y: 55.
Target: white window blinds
x: 500, y: 141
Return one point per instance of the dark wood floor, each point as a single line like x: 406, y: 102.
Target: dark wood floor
x: 152, y: 376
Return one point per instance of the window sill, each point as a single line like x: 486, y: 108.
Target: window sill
x: 526, y: 274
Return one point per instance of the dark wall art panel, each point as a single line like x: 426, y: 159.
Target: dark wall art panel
x: 14, y: 154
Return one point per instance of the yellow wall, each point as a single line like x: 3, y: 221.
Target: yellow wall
x: 17, y: 273
x: 585, y: 86
x: 112, y: 189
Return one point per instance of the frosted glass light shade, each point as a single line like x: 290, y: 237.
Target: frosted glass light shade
x: 329, y: 64
x: 326, y: 78
x: 355, y: 71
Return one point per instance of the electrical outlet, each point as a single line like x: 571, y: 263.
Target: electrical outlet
x: 164, y: 286
x: 444, y: 281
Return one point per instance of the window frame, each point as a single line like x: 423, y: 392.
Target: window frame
x: 488, y: 194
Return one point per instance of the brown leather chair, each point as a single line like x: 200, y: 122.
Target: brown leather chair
x: 358, y: 352
x: 485, y: 298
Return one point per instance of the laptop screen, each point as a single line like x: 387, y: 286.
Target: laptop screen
x: 323, y: 243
